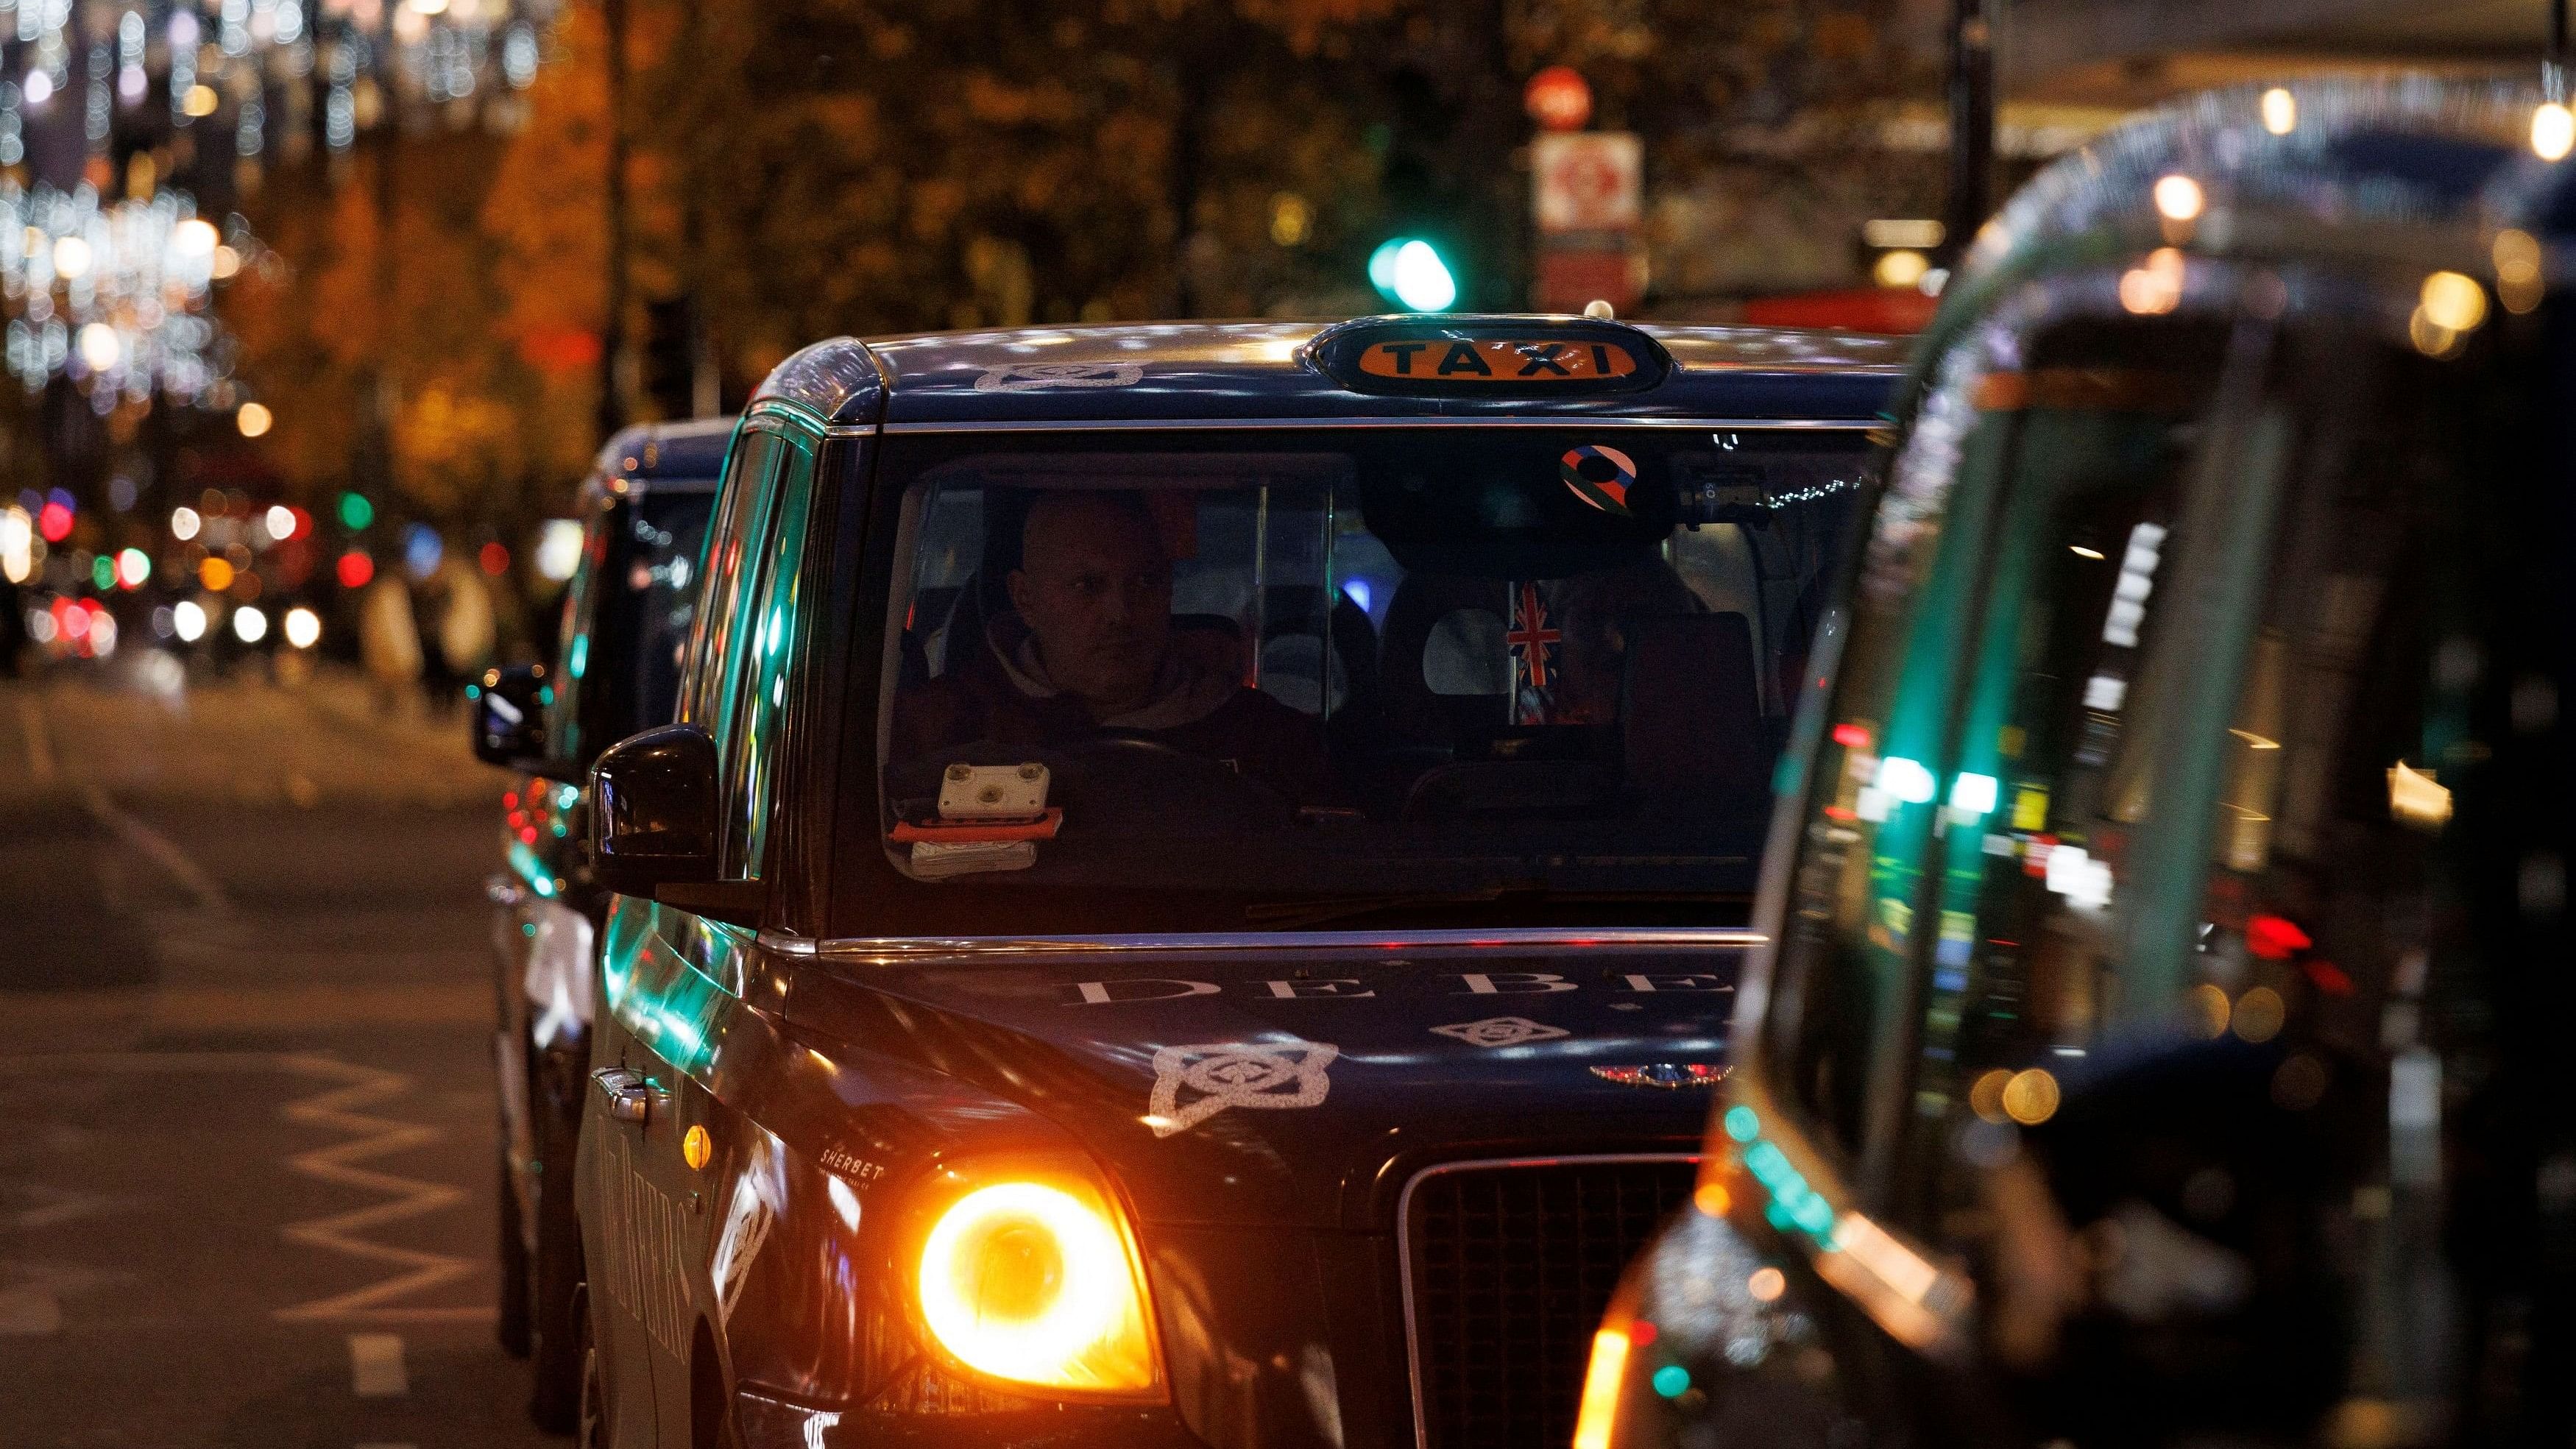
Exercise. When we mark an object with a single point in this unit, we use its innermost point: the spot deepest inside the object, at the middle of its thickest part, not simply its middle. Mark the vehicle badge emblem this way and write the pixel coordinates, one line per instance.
(1255, 1076)
(1045, 376)
(1502, 1031)
(1671, 1076)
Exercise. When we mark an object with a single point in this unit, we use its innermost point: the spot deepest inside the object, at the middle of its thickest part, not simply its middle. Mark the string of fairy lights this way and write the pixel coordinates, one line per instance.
(129, 129)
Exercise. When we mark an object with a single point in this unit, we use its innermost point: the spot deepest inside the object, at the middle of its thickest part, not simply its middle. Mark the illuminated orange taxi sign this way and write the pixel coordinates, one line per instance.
(1499, 359)
(1491, 356)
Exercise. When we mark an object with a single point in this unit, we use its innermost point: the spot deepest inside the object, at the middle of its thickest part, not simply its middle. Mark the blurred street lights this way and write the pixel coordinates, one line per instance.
(111, 294)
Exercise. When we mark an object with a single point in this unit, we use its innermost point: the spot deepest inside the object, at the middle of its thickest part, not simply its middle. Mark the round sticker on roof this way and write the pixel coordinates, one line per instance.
(1599, 476)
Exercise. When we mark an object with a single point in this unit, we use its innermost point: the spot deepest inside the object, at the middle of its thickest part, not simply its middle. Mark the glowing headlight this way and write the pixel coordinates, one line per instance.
(1035, 1284)
(1598, 1414)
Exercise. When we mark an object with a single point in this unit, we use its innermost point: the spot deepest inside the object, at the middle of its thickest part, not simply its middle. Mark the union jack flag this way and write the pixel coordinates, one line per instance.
(1532, 640)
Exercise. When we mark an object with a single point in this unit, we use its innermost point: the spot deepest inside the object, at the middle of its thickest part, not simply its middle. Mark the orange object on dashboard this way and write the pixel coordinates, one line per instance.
(980, 832)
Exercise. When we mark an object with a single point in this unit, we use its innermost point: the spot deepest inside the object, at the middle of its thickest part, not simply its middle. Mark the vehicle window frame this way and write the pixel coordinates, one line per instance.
(626, 633)
(748, 806)
(740, 518)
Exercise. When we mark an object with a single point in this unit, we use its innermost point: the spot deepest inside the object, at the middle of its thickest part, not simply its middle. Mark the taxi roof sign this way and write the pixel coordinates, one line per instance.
(1490, 357)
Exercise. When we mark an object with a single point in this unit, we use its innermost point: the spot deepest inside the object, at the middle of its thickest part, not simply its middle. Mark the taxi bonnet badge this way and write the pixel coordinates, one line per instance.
(1262, 1076)
(1502, 1031)
(1671, 1076)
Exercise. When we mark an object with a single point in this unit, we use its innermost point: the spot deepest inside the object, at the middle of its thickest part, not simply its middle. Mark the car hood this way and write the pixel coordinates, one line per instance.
(1302, 1083)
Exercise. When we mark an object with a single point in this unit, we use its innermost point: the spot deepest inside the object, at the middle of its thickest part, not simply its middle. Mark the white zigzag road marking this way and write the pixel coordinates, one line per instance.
(410, 1197)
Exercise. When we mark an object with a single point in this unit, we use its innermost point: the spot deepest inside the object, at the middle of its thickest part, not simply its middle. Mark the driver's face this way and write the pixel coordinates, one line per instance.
(1096, 590)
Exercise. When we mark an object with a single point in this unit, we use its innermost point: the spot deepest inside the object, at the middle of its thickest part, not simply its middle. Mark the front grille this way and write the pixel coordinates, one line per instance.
(1508, 1267)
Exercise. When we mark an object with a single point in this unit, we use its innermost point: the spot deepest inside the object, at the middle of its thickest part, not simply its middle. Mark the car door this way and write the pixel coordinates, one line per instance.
(633, 1233)
(692, 967)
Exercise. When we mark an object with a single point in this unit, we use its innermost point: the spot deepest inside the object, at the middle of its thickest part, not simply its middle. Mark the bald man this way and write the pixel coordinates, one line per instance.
(1088, 644)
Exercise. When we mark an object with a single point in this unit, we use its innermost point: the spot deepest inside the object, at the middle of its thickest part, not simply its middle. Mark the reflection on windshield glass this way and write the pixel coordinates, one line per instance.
(1450, 661)
(2124, 959)
(670, 532)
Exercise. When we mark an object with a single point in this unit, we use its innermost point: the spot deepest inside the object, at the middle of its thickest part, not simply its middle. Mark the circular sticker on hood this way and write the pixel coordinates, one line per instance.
(1599, 476)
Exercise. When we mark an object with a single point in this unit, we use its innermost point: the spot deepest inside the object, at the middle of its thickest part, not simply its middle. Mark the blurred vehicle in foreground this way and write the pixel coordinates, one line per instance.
(1192, 898)
(2161, 1043)
(627, 614)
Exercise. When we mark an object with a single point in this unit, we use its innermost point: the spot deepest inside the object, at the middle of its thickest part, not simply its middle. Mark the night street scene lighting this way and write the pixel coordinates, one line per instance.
(1285, 724)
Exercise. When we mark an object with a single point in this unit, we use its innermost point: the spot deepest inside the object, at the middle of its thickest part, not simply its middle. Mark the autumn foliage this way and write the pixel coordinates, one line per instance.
(806, 168)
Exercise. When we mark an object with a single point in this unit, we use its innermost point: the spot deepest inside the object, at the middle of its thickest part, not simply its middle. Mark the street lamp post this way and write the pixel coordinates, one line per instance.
(386, 400)
(613, 363)
(1972, 123)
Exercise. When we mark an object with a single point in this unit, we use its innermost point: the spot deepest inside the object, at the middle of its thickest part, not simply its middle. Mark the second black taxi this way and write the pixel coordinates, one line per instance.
(626, 621)
(1194, 895)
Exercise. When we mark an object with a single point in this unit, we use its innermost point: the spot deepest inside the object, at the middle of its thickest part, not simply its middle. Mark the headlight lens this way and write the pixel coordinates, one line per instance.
(1035, 1283)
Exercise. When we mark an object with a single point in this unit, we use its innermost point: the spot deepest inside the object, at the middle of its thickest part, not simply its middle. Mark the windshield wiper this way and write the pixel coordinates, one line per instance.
(1292, 915)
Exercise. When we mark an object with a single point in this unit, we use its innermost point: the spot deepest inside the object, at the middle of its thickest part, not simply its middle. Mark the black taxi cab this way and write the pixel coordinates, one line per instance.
(627, 611)
(2160, 1039)
(1194, 891)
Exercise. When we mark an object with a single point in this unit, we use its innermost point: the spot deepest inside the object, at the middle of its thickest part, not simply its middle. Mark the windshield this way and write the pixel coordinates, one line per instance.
(1452, 662)
(2135, 954)
(631, 600)
(660, 594)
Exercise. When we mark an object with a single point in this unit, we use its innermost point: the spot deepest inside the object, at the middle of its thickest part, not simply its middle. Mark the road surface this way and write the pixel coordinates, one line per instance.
(246, 1147)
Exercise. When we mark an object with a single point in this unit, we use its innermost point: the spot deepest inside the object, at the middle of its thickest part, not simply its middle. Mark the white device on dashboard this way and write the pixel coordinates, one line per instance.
(993, 792)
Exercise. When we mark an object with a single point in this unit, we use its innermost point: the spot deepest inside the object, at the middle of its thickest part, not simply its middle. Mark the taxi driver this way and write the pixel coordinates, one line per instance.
(1089, 644)
(1095, 591)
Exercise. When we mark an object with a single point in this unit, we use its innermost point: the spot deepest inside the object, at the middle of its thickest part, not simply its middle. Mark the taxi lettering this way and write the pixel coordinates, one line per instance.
(1498, 359)
(644, 1250)
(1137, 990)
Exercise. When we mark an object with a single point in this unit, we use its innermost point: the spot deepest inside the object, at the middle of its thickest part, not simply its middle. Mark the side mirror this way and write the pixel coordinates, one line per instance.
(510, 716)
(653, 810)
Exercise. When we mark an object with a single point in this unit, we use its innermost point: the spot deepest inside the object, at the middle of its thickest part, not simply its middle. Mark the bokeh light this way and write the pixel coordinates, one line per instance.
(559, 549)
(423, 550)
(2031, 1097)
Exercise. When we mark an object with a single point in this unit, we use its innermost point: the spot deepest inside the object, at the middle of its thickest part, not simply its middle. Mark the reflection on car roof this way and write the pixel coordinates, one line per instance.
(1250, 371)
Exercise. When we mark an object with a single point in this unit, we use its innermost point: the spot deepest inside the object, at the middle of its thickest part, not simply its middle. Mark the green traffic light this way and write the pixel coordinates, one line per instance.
(1411, 272)
(356, 512)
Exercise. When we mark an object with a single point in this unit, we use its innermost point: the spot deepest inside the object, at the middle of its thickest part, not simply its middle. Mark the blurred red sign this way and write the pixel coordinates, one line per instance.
(1558, 98)
(559, 349)
(1892, 310)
